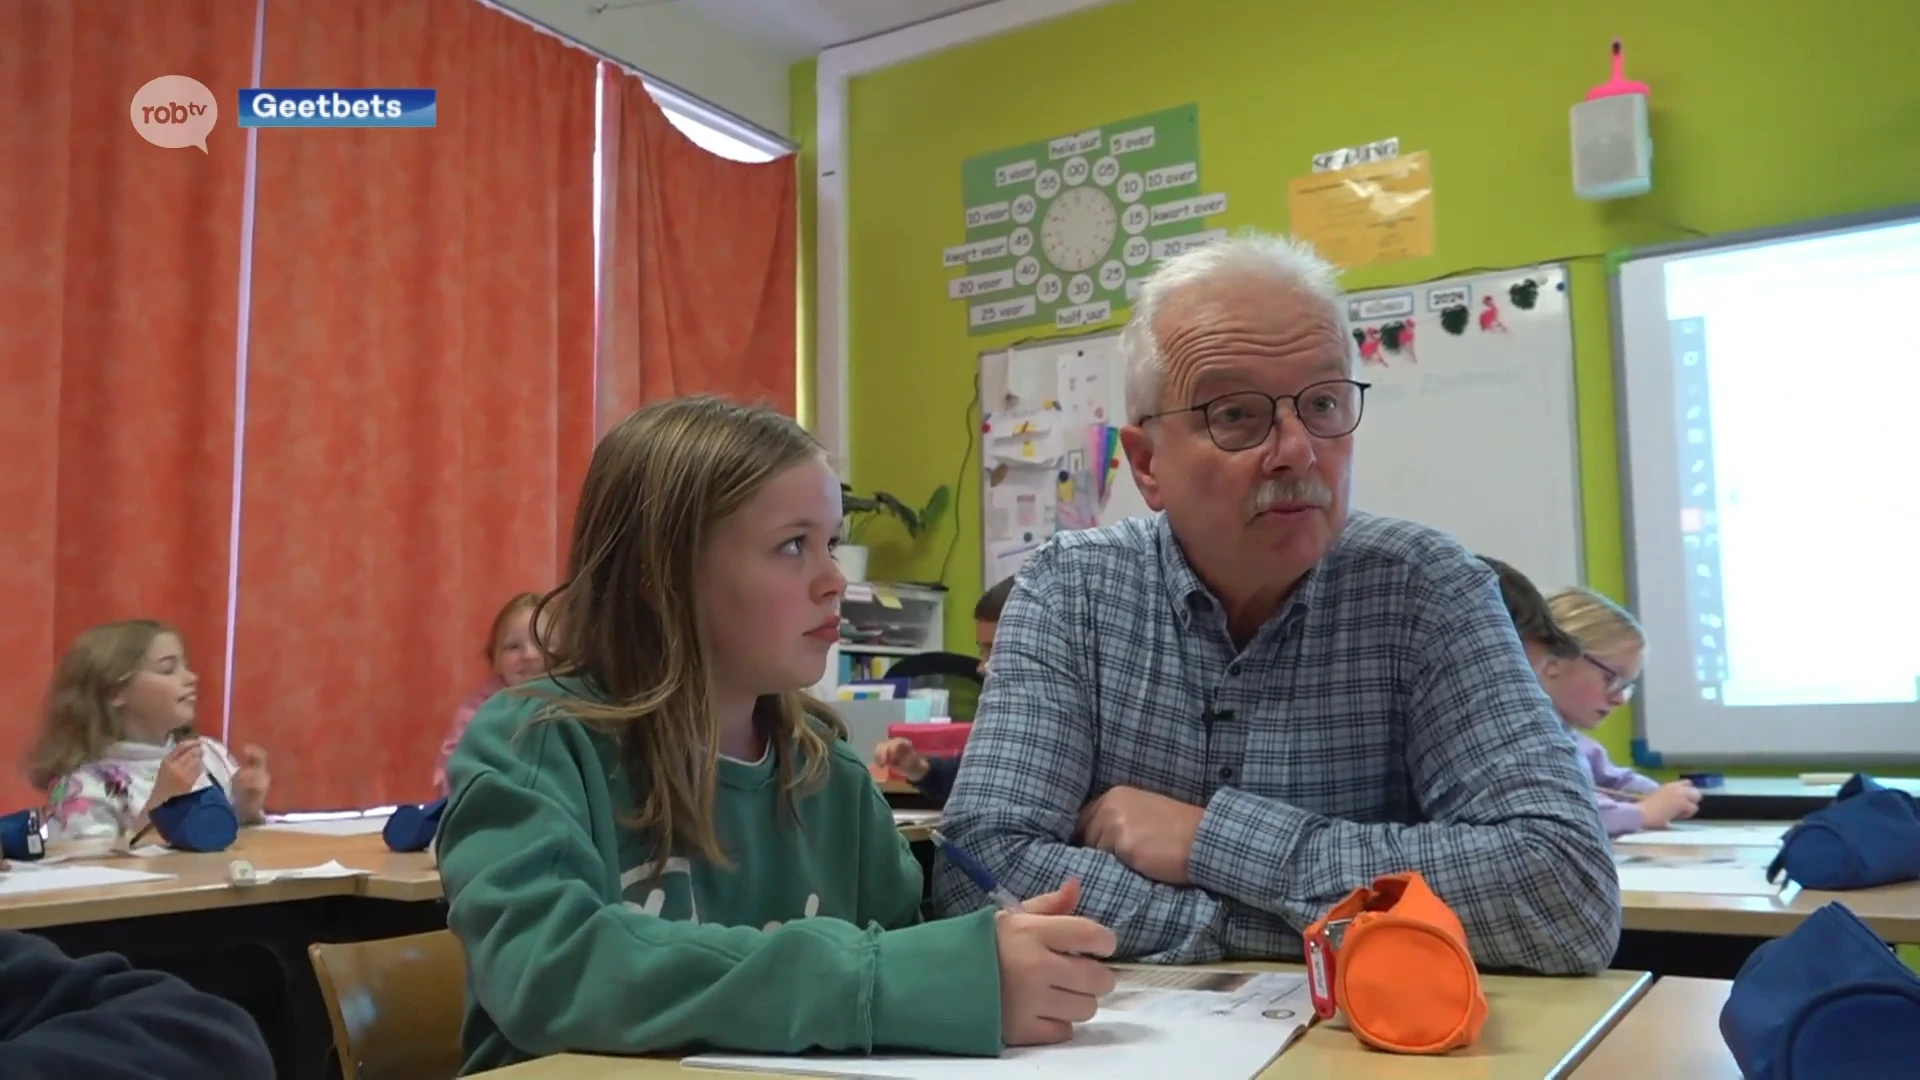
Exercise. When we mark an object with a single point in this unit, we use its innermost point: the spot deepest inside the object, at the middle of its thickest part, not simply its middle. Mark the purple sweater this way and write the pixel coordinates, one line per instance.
(1617, 815)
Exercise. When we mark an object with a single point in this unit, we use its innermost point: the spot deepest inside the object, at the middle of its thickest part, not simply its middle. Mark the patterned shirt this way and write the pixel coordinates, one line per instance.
(1384, 719)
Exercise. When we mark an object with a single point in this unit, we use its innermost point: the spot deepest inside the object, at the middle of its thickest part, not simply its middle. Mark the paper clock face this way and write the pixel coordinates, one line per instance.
(1062, 231)
(1079, 228)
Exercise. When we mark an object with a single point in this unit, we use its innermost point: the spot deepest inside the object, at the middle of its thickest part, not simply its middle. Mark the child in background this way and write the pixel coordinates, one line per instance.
(934, 776)
(514, 655)
(667, 843)
(1587, 652)
(118, 738)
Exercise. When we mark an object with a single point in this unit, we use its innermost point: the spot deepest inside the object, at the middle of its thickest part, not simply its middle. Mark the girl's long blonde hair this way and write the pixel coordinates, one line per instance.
(79, 720)
(1597, 623)
(625, 619)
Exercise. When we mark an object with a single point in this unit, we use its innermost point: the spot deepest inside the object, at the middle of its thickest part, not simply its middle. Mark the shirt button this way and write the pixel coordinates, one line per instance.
(1226, 772)
(1233, 668)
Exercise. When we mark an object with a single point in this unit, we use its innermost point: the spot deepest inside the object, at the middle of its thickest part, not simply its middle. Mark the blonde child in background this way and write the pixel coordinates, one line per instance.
(667, 843)
(1587, 652)
(513, 653)
(118, 737)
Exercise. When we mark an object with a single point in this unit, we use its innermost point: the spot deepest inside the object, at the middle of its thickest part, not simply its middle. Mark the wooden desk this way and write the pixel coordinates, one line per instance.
(1893, 911)
(1675, 1029)
(1535, 1028)
(1779, 798)
(199, 883)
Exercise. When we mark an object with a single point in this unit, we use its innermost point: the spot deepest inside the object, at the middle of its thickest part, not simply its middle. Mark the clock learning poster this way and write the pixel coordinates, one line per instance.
(1061, 231)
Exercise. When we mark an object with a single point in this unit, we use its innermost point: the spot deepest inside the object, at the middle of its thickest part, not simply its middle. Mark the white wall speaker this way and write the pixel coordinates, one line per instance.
(1612, 147)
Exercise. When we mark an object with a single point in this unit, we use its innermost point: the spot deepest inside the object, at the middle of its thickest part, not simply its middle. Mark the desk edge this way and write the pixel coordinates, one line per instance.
(1608, 1021)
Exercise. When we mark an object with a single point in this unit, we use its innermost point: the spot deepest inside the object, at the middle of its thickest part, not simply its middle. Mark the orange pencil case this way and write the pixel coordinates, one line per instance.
(1394, 959)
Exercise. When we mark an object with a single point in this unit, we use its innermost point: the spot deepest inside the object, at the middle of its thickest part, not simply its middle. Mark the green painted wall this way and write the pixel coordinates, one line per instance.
(1769, 116)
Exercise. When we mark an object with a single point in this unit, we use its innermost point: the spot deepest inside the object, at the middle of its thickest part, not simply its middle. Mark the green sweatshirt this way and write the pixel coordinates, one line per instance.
(810, 939)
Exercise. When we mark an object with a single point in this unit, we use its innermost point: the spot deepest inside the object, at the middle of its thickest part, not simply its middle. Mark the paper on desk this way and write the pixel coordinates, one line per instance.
(916, 817)
(1708, 835)
(329, 869)
(1117, 1044)
(353, 826)
(24, 878)
(1211, 993)
(1719, 879)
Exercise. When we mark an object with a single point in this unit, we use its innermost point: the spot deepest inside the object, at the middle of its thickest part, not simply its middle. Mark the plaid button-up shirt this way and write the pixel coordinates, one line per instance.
(1384, 720)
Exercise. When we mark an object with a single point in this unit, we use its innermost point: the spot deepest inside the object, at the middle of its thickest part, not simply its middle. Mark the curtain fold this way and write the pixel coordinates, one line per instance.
(119, 277)
(420, 385)
(700, 276)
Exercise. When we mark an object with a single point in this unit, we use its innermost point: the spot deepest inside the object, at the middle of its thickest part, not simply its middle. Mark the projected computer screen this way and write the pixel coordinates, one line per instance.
(1770, 398)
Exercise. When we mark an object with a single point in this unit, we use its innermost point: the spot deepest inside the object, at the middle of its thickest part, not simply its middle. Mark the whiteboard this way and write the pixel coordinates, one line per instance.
(1716, 343)
(1470, 421)
(1471, 431)
(1050, 458)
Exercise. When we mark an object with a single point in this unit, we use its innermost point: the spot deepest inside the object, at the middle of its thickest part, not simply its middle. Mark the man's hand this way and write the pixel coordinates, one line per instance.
(1150, 833)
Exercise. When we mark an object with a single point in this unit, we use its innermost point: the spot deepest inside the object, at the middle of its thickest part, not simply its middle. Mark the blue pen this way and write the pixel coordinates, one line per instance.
(980, 875)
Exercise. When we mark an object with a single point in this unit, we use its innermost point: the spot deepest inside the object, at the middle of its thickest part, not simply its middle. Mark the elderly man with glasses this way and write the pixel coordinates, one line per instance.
(1223, 718)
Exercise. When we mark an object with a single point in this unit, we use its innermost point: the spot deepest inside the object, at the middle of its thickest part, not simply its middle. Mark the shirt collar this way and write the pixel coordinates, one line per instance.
(1192, 598)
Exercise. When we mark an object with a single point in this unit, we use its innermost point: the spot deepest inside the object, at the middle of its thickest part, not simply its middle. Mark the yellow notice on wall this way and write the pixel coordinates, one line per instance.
(1374, 213)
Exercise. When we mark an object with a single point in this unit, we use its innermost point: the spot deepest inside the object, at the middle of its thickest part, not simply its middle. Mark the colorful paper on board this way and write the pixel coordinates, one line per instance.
(1374, 213)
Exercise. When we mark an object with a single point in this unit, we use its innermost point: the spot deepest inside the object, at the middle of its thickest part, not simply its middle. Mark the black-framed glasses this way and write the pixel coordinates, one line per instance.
(1618, 683)
(1242, 420)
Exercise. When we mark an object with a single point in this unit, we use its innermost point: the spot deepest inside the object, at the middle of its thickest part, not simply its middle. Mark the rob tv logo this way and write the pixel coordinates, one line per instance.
(174, 112)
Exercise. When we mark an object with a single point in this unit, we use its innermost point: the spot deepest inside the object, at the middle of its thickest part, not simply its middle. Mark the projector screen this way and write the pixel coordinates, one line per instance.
(1768, 387)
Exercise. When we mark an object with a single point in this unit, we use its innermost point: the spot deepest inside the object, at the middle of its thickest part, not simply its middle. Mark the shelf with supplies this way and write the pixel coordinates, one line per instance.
(852, 649)
(880, 623)
(882, 619)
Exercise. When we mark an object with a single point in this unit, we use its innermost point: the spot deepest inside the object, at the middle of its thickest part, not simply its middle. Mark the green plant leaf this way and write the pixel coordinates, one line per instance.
(900, 510)
(935, 509)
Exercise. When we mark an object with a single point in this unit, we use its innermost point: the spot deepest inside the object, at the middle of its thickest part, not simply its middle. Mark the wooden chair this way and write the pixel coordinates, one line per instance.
(395, 1005)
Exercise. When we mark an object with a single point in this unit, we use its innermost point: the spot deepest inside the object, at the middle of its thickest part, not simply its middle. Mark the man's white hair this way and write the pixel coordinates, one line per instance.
(1290, 264)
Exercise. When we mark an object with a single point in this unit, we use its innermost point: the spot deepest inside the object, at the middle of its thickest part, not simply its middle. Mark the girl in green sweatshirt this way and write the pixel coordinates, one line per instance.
(665, 845)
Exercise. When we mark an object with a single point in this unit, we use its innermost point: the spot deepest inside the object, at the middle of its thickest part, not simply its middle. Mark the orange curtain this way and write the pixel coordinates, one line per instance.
(119, 273)
(699, 286)
(419, 405)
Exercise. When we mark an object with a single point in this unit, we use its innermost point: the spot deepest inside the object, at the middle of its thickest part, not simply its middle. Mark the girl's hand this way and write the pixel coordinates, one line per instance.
(900, 756)
(1670, 803)
(1051, 977)
(251, 782)
(180, 772)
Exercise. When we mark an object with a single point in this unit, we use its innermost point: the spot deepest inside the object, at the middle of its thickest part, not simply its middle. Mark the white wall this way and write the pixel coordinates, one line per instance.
(679, 46)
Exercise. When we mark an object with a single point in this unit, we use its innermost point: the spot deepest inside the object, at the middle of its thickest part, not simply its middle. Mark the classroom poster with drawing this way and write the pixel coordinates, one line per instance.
(1050, 446)
(1060, 232)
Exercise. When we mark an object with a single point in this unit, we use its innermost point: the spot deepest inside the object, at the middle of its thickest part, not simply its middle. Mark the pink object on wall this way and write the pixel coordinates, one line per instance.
(1619, 83)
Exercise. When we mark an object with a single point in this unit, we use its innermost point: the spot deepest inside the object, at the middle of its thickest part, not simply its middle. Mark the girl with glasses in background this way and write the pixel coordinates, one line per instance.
(1587, 652)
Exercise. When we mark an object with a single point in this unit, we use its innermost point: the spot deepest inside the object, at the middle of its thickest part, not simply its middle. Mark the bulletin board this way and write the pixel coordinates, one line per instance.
(1469, 425)
(1050, 414)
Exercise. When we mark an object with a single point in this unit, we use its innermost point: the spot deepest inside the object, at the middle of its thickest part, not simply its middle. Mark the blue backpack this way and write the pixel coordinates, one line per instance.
(1830, 1000)
(200, 820)
(1869, 835)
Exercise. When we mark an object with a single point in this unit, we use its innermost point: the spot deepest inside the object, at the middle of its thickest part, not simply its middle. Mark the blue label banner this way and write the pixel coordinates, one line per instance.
(263, 107)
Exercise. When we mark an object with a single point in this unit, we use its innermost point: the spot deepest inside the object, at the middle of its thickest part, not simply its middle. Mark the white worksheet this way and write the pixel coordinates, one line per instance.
(23, 878)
